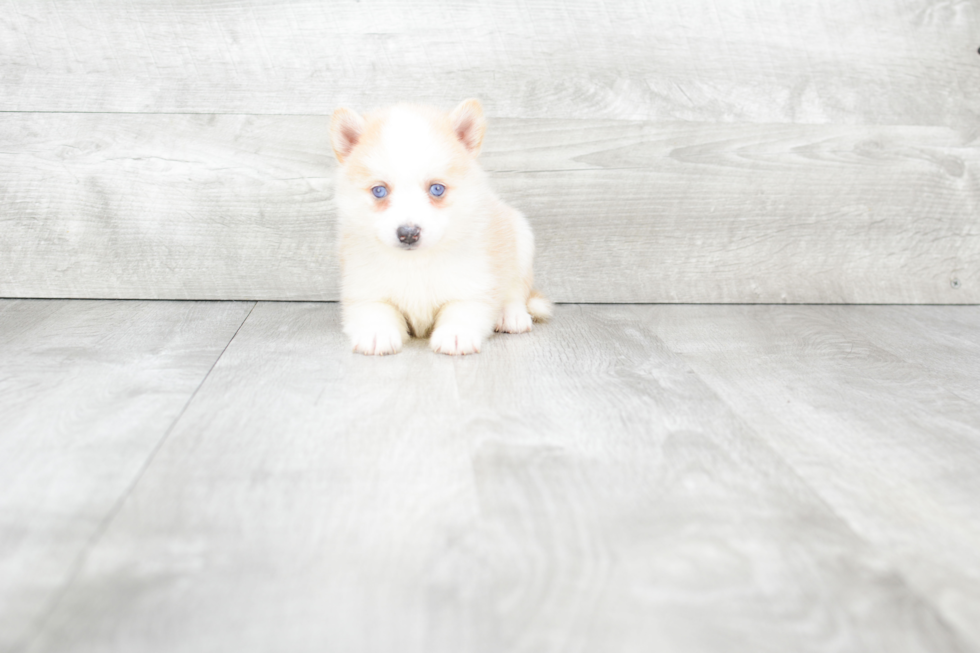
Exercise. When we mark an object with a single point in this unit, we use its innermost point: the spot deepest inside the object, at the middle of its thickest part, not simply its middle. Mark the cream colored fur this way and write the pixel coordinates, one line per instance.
(470, 272)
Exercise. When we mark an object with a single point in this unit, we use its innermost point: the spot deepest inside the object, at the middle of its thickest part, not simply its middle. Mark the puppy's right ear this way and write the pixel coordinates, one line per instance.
(346, 128)
(469, 124)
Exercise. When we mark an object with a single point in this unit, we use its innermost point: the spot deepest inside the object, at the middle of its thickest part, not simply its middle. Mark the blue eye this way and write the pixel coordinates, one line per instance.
(437, 190)
(379, 191)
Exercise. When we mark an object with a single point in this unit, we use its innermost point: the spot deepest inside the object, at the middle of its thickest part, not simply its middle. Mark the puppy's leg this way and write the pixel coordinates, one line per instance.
(375, 328)
(514, 318)
(461, 327)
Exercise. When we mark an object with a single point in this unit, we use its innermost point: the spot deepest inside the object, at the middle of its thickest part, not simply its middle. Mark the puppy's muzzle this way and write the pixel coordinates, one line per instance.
(409, 234)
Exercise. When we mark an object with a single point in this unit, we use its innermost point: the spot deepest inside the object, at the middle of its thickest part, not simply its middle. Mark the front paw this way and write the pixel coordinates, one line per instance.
(455, 342)
(514, 319)
(377, 341)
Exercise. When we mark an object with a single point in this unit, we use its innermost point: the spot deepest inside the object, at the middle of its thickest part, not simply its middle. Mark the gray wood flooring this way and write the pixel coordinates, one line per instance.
(208, 476)
(87, 392)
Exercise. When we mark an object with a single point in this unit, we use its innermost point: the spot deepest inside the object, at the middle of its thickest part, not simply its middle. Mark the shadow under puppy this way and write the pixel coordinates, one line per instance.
(426, 247)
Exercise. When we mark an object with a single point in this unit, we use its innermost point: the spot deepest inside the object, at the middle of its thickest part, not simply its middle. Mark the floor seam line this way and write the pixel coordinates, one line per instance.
(110, 516)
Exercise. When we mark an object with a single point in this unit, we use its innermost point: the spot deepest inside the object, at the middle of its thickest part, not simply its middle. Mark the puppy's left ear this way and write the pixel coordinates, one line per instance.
(346, 128)
(469, 125)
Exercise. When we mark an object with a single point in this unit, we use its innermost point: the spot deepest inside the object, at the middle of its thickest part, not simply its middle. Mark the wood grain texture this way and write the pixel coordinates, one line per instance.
(877, 409)
(166, 207)
(87, 390)
(579, 488)
(887, 62)
(239, 207)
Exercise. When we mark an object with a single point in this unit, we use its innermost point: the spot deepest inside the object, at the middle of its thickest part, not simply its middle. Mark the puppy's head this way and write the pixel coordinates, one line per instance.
(407, 171)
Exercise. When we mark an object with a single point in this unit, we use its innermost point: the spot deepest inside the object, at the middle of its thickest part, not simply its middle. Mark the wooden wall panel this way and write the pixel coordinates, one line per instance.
(745, 150)
(834, 61)
(239, 207)
(159, 206)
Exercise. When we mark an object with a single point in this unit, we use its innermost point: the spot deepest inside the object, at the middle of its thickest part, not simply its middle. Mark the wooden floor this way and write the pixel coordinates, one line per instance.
(227, 476)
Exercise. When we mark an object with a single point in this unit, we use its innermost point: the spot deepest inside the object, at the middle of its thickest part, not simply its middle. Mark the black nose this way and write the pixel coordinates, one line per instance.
(409, 233)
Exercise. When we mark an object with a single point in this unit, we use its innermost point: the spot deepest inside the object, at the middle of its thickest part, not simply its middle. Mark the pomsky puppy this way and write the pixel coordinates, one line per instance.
(426, 247)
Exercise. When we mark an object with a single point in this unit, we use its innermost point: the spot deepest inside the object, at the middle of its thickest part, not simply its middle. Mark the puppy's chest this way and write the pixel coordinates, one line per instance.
(420, 288)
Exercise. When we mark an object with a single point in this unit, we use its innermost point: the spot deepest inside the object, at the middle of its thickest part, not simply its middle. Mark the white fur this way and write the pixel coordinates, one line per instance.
(514, 318)
(454, 282)
(409, 157)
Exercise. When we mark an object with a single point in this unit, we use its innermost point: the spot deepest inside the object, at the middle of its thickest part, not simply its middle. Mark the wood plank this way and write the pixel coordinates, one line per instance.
(166, 207)
(877, 409)
(574, 489)
(87, 391)
(239, 207)
(887, 62)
